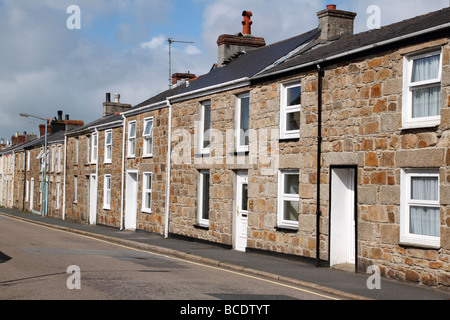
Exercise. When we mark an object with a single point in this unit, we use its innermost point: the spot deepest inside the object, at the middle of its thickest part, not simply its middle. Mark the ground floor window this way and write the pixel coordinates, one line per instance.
(288, 199)
(147, 192)
(203, 199)
(107, 192)
(420, 209)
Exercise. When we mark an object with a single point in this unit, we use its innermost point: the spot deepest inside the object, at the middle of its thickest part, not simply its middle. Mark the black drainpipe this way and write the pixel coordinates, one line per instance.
(320, 74)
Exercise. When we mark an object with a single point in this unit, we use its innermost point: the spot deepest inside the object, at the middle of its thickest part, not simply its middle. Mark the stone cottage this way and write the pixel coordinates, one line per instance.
(329, 147)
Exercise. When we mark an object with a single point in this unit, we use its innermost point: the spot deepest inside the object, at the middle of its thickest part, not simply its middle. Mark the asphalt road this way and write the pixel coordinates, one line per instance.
(35, 260)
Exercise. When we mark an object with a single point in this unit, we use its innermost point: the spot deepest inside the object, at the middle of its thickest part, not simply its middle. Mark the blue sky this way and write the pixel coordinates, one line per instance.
(122, 46)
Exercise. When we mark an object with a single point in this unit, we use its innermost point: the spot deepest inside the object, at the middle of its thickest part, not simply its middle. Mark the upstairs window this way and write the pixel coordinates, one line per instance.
(422, 90)
(60, 159)
(242, 122)
(53, 161)
(108, 146)
(76, 151)
(88, 149)
(205, 126)
(148, 137)
(132, 139)
(28, 160)
(290, 111)
(94, 141)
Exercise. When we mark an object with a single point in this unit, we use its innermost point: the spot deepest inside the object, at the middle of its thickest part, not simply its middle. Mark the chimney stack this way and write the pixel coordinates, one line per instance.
(110, 108)
(335, 23)
(232, 45)
(176, 77)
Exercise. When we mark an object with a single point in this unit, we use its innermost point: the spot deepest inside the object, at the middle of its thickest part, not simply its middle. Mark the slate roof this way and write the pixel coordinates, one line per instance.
(160, 97)
(52, 138)
(368, 38)
(252, 62)
(87, 127)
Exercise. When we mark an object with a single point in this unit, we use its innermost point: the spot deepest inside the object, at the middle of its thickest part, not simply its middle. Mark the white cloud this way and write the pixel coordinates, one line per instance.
(192, 50)
(155, 42)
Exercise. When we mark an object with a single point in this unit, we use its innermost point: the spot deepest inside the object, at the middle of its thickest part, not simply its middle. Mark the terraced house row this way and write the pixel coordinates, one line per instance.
(330, 147)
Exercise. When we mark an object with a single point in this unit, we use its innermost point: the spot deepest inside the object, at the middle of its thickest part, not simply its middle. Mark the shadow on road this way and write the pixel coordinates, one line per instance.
(4, 257)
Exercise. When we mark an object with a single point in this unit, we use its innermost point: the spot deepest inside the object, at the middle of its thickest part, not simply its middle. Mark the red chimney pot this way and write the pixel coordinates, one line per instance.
(247, 23)
(331, 7)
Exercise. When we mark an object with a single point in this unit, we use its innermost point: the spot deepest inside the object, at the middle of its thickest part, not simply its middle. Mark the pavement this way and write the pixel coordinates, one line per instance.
(344, 284)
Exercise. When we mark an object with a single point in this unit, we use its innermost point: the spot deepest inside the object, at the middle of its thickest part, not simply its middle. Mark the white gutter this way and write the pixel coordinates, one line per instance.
(123, 170)
(354, 51)
(242, 82)
(161, 103)
(64, 186)
(168, 173)
(105, 125)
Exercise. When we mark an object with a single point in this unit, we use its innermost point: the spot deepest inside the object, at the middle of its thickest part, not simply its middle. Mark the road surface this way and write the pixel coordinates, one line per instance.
(41, 263)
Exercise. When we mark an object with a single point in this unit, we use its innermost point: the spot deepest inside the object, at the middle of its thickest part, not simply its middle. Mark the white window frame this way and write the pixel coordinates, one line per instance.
(76, 150)
(108, 146)
(53, 160)
(28, 160)
(107, 192)
(131, 152)
(75, 189)
(408, 121)
(88, 149)
(94, 148)
(27, 191)
(284, 110)
(407, 238)
(239, 131)
(145, 191)
(41, 159)
(202, 148)
(41, 192)
(58, 195)
(200, 214)
(147, 137)
(60, 159)
(283, 223)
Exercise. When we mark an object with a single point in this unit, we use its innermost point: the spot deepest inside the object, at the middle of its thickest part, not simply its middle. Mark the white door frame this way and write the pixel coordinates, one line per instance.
(93, 183)
(131, 198)
(240, 215)
(31, 193)
(342, 243)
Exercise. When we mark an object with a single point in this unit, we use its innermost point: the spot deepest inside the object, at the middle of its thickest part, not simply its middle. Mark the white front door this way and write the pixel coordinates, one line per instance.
(131, 200)
(342, 242)
(93, 200)
(241, 212)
